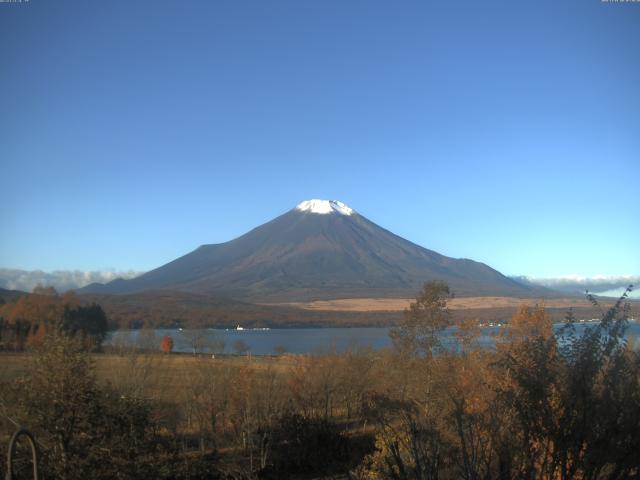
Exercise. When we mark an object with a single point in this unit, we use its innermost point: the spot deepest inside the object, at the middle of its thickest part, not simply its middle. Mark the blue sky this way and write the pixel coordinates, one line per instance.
(507, 132)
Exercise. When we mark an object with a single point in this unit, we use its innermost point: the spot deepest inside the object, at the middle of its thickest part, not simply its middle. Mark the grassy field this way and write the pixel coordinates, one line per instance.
(163, 377)
(399, 304)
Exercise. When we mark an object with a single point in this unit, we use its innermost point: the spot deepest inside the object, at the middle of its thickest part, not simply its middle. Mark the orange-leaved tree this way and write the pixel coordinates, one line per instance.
(166, 344)
(425, 318)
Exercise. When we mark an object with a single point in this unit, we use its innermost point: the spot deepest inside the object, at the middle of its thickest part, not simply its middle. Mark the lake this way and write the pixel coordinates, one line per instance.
(293, 340)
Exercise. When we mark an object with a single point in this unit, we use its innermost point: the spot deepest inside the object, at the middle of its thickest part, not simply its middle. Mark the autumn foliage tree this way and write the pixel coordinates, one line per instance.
(166, 344)
(26, 321)
(544, 404)
(573, 398)
(424, 320)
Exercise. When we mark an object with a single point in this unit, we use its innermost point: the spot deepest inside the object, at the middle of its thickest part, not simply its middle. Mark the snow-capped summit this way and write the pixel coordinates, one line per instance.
(324, 206)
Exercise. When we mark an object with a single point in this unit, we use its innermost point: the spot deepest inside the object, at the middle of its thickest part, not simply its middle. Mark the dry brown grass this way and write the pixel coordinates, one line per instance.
(163, 377)
(399, 304)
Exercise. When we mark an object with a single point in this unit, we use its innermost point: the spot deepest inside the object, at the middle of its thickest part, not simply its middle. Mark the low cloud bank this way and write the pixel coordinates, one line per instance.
(61, 280)
(609, 286)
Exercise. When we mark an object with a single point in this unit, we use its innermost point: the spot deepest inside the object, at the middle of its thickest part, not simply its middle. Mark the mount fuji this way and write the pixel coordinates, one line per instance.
(321, 249)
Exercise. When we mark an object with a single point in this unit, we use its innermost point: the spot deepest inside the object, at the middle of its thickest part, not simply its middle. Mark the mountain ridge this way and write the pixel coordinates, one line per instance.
(318, 250)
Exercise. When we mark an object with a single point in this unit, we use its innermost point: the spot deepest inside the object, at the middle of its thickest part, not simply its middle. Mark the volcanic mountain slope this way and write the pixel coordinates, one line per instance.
(318, 250)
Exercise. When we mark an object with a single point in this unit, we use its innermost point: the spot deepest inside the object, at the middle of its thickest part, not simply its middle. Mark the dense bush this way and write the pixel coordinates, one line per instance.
(302, 445)
(89, 431)
(543, 406)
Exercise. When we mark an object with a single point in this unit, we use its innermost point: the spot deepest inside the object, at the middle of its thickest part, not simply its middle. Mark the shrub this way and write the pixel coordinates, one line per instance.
(166, 344)
(302, 446)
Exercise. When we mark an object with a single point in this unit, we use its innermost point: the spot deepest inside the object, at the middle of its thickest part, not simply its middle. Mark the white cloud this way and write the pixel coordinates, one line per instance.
(605, 285)
(61, 280)
(581, 280)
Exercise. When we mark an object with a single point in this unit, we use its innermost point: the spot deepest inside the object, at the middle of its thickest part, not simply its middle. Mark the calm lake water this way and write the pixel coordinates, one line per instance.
(293, 340)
